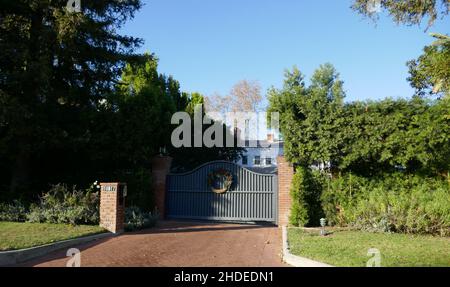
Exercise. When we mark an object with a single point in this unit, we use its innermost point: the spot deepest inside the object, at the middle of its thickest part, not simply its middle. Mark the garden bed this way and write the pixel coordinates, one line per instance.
(349, 248)
(17, 235)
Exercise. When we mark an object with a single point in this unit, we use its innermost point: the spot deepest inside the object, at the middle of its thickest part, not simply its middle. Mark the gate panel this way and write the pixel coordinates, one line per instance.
(252, 196)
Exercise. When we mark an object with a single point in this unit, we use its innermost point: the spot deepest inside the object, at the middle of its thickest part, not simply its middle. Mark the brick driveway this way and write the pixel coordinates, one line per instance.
(181, 244)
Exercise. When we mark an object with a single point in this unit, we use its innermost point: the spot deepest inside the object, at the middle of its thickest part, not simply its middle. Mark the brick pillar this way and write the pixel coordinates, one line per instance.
(160, 170)
(112, 206)
(285, 176)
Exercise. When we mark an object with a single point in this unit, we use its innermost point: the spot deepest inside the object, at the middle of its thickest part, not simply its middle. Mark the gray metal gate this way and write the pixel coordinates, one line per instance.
(252, 196)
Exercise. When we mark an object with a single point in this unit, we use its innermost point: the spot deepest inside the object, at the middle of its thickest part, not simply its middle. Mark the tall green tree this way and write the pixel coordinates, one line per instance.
(310, 116)
(56, 67)
(132, 125)
(143, 106)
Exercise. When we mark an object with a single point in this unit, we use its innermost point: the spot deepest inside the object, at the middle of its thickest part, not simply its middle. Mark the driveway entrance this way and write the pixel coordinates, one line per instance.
(182, 244)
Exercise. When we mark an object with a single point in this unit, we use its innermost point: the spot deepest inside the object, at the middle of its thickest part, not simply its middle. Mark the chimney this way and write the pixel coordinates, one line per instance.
(270, 138)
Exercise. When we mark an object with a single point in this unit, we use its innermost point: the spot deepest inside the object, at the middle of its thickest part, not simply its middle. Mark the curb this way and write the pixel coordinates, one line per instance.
(13, 257)
(295, 260)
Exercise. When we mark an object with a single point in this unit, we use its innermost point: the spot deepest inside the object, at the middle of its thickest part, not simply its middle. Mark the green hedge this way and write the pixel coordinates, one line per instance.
(393, 203)
(305, 193)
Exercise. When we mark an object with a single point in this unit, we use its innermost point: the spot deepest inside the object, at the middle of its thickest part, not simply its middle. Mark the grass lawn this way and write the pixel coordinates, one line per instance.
(15, 235)
(349, 248)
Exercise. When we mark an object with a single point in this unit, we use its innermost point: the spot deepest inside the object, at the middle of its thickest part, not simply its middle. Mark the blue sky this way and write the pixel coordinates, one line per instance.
(209, 45)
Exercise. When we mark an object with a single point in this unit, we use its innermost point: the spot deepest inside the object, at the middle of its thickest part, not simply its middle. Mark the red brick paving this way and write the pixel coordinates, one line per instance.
(181, 244)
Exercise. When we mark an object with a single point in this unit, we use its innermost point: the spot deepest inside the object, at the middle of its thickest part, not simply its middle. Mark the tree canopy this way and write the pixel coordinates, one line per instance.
(362, 137)
(408, 12)
(309, 116)
(78, 104)
(430, 73)
(56, 67)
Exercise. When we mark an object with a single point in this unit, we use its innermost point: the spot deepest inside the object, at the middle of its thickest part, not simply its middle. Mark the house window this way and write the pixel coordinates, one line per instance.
(268, 161)
(257, 160)
(244, 160)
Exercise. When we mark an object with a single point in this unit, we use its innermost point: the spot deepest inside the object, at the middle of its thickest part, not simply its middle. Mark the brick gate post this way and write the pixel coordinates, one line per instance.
(112, 206)
(160, 170)
(285, 176)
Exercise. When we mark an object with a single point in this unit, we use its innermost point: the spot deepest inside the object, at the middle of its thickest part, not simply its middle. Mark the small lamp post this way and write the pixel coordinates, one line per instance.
(323, 221)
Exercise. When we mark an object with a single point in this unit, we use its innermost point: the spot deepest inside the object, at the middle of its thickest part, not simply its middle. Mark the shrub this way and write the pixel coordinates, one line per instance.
(305, 194)
(60, 205)
(339, 195)
(139, 182)
(14, 211)
(136, 219)
(393, 203)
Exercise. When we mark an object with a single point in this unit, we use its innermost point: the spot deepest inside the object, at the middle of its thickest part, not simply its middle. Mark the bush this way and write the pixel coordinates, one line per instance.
(393, 203)
(136, 219)
(139, 182)
(305, 193)
(339, 194)
(60, 205)
(14, 211)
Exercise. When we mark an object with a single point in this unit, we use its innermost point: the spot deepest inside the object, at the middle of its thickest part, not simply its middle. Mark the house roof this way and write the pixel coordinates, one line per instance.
(263, 144)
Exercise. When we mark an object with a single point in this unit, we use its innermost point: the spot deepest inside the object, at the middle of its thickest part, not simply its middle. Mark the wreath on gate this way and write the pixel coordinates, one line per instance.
(220, 180)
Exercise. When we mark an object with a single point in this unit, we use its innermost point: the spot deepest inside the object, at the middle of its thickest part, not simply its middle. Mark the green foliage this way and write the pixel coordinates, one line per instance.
(299, 207)
(56, 70)
(188, 158)
(368, 143)
(405, 11)
(390, 134)
(365, 138)
(192, 100)
(310, 117)
(135, 122)
(430, 73)
(393, 203)
(15, 212)
(139, 187)
(136, 219)
(61, 205)
(305, 193)
(78, 104)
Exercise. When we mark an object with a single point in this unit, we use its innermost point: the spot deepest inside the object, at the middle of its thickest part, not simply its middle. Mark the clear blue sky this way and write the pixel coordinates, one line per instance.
(208, 45)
